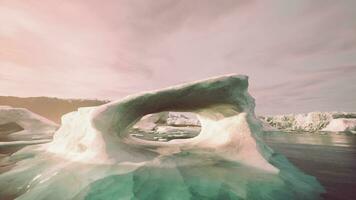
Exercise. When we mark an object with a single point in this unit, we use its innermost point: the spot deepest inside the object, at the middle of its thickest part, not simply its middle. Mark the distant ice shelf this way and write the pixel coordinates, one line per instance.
(314, 121)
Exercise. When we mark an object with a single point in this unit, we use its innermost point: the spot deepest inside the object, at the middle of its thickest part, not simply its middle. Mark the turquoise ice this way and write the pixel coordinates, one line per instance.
(92, 155)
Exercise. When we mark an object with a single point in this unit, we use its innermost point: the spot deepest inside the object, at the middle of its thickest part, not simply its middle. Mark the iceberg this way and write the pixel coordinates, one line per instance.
(341, 125)
(94, 156)
(19, 126)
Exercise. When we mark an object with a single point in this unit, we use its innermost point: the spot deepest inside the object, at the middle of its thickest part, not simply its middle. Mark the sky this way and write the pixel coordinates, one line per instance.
(300, 55)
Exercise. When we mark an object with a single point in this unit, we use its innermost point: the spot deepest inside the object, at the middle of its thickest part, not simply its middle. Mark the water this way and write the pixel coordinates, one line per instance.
(330, 157)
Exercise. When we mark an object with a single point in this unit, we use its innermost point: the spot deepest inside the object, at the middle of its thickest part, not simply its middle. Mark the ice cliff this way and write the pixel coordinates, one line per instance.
(94, 156)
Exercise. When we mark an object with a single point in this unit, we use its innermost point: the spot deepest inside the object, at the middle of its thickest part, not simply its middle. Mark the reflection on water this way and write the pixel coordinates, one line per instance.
(330, 157)
(321, 138)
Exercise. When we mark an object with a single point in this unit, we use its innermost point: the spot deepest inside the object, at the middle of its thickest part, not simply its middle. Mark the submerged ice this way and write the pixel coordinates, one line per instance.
(93, 155)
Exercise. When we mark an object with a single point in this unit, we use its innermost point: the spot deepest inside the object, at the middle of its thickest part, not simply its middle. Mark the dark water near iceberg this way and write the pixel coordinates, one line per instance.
(330, 157)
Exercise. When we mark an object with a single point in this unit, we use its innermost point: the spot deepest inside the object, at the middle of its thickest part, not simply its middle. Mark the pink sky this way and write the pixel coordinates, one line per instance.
(300, 55)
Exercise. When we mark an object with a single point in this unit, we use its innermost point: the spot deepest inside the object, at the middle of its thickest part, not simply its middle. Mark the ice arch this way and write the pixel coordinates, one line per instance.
(93, 156)
(165, 126)
(191, 97)
(224, 108)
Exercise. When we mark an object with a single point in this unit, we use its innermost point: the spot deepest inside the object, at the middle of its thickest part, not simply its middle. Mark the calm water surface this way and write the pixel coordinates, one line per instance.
(330, 157)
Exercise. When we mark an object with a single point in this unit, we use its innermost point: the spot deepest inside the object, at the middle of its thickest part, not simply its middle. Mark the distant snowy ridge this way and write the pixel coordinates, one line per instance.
(313, 121)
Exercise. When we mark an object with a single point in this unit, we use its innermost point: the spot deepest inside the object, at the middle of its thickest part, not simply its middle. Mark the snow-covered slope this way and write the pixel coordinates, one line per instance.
(313, 121)
(93, 155)
(19, 124)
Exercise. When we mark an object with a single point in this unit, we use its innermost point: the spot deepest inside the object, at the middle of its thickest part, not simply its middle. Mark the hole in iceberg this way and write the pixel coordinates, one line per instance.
(166, 126)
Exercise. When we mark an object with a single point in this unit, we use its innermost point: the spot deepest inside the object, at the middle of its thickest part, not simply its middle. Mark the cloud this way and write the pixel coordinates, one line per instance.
(299, 56)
